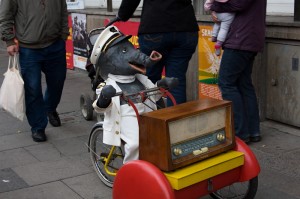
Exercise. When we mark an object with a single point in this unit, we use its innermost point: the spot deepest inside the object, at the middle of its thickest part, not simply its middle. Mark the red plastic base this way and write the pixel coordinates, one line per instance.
(140, 179)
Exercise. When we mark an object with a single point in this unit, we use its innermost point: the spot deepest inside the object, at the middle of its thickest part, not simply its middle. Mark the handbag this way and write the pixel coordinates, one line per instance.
(12, 98)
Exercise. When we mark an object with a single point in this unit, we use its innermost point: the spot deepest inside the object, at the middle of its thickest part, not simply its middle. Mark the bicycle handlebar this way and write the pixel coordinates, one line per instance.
(143, 95)
(114, 20)
(142, 92)
(94, 33)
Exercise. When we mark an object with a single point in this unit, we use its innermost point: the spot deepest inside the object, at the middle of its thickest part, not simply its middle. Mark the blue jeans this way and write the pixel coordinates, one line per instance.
(177, 49)
(235, 83)
(52, 62)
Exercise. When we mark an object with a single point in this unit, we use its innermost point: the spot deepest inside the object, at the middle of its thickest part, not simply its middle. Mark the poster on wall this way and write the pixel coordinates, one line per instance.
(75, 4)
(209, 64)
(69, 46)
(79, 35)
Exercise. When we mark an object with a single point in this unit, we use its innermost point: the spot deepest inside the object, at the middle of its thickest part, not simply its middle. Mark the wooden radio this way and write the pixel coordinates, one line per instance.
(180, 135)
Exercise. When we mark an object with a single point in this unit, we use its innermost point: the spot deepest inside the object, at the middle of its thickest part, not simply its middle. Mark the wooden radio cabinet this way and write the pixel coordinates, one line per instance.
(180, 135)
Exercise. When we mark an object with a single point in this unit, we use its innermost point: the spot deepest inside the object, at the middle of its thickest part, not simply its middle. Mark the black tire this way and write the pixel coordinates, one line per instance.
(239, 190)
(86, 106)
(99, 152)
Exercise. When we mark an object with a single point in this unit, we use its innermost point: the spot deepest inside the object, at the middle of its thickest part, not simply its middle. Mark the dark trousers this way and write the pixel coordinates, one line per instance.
(52, 62)
(235, 83)
(177, 49)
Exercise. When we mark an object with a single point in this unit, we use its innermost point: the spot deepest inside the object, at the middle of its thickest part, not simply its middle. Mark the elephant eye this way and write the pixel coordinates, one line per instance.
(124, 50)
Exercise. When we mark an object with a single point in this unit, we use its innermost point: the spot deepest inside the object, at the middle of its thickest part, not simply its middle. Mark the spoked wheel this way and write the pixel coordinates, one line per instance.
(86, 106)
(239, 190)
(101, 153)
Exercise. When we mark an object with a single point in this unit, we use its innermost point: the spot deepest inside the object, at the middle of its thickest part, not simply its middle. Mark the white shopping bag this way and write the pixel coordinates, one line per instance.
(12, 93)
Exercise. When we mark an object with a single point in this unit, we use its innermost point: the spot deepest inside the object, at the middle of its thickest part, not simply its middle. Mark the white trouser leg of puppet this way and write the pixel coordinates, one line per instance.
(130, 135)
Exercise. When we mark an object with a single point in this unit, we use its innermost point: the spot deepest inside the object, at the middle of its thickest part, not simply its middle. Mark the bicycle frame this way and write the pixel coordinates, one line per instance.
(106, 160)
(142, 95)
(145, 95)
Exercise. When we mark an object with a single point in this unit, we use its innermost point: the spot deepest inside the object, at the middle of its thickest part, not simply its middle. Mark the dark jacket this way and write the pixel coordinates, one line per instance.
(160, 16)
(36, 24)
(247, 31)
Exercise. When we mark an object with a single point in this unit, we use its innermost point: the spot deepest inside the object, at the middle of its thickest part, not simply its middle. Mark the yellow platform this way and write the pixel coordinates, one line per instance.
(205, 169)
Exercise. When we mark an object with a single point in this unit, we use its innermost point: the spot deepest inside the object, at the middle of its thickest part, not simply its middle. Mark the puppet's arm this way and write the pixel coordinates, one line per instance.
(108, 91)
(103, 101)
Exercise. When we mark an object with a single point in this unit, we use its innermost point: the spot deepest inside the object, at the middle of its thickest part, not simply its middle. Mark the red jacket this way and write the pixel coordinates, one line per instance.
(247, 31)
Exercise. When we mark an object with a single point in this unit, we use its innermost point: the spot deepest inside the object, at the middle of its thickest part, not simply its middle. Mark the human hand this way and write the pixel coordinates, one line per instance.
(13, 49)
(168, 82)
(114, 20)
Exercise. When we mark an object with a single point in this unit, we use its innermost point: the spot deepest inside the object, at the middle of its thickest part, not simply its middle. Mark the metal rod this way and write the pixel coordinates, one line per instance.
(143, 91)
(109, 6)
(297, 10)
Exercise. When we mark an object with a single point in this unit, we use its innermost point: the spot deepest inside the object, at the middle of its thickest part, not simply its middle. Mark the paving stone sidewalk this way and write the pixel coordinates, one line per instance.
(61, 169)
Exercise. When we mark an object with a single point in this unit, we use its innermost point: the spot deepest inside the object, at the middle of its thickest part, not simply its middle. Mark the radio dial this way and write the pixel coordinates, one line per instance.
(220, 137)
(177, 151)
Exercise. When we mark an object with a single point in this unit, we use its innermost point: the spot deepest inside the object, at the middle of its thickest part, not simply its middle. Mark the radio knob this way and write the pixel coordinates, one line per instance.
(220, 137)
(177, 151)
(197, 152)
(204, 149)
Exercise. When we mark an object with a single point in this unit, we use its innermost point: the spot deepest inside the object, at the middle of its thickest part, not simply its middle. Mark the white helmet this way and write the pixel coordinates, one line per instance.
(107, 36)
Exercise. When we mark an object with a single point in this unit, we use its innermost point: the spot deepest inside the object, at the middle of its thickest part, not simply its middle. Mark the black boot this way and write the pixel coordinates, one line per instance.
(39, 136)
(54, 119)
